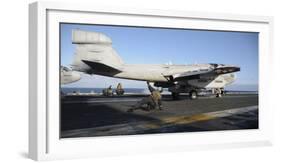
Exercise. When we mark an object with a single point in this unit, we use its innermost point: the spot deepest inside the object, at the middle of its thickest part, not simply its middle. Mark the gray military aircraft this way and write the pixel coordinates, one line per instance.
(95, 55)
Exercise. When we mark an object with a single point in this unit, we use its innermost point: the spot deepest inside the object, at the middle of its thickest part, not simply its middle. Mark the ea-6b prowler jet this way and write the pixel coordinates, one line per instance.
(94, 55)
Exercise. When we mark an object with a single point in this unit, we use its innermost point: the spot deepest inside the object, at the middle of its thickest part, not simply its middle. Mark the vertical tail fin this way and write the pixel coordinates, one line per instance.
(94, 47)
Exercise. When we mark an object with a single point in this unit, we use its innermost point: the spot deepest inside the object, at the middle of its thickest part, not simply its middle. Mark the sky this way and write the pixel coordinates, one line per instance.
(139, 45)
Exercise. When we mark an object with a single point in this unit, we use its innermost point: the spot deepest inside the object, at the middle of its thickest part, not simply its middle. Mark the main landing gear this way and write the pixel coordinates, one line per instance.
(218, 92)
(175, 95)
(193, 94)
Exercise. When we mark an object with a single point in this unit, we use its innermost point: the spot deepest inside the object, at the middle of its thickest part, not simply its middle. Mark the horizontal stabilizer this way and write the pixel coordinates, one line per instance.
(101, 68)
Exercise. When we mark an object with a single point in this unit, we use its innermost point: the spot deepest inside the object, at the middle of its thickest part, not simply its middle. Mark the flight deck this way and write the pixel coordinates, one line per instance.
(89, 116)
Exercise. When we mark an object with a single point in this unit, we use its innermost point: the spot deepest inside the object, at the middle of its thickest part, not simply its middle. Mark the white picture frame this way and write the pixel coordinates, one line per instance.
(44, 141)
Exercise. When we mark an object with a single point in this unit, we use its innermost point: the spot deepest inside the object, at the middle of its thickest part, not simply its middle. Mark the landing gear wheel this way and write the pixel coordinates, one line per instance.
(219, 95)
(130, 110)
(193, 95)
(175, 95)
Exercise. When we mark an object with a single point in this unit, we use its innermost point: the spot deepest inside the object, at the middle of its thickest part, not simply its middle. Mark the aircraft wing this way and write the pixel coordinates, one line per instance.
(195, 74)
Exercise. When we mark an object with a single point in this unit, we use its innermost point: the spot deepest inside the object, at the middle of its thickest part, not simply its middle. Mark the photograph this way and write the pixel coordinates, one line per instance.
(133, 80)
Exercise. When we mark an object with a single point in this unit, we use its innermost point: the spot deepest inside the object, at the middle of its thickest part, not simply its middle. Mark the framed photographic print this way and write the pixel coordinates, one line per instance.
(109, 81)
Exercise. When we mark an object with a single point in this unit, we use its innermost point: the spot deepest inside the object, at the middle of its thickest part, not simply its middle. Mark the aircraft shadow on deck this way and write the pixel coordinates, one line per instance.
(80, 116)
